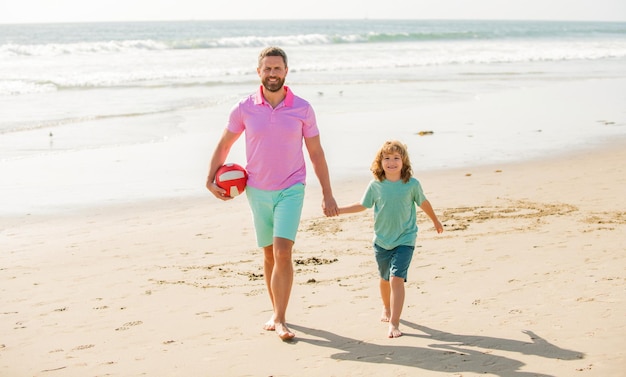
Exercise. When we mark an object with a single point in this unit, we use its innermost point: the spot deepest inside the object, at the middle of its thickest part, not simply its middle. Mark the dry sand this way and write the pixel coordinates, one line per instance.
(528, 279)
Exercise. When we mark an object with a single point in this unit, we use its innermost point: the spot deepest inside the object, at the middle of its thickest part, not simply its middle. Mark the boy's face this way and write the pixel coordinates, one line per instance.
(272, 73)
(392, 165)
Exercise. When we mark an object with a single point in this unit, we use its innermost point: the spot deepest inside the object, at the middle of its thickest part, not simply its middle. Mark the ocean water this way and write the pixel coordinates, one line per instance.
(108, 93)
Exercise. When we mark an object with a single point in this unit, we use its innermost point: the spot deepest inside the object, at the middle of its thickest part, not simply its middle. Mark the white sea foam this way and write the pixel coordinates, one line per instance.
(17, 87)
(56, 49)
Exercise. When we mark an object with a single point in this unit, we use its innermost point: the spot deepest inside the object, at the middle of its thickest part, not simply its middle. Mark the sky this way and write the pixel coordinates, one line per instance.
(36, 11)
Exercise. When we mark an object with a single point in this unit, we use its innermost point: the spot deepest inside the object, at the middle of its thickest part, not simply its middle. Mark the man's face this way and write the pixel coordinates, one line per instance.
(272, 73)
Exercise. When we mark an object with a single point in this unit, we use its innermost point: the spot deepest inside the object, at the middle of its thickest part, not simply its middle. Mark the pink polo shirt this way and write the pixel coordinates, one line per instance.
(274, 138)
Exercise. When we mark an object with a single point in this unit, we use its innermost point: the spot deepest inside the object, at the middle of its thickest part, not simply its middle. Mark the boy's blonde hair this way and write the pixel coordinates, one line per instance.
(390, 147)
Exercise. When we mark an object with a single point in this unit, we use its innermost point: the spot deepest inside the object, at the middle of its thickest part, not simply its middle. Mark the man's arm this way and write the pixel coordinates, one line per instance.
(318, 160)
(219, 156)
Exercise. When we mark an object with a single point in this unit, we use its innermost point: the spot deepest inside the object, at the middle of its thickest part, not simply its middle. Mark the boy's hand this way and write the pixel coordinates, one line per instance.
(438, 226)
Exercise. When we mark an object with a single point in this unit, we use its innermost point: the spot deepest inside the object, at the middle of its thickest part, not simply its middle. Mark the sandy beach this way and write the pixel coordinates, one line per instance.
(116, 261)
(526, 280)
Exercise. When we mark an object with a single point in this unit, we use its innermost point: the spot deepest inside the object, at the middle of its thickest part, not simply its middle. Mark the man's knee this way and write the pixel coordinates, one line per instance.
(282, 250)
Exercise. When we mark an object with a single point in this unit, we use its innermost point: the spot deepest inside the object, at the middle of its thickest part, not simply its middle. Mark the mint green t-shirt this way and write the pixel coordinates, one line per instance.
(395, 219)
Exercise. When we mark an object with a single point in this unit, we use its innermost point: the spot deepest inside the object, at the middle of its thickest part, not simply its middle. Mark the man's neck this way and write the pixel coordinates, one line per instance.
(274, 98)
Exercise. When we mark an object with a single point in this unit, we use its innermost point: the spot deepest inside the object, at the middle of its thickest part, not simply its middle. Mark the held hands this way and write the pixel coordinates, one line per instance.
(217, 191)
(329, 206)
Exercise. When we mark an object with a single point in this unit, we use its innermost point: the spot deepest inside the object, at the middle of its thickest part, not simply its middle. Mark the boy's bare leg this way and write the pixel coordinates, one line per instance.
(385, 295)
(397, 302)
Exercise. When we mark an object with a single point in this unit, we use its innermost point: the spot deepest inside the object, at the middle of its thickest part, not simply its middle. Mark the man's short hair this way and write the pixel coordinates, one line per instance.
(272, 51)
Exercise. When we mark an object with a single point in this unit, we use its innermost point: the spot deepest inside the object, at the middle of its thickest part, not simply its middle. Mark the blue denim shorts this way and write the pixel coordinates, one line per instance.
(394, 262)
(276, 213)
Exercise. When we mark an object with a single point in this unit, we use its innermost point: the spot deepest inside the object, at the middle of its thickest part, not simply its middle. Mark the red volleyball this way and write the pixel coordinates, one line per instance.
(232, 178)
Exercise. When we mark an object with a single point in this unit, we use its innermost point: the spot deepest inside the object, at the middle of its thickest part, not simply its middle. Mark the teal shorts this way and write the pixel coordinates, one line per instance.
(394, 262)
(276, 213)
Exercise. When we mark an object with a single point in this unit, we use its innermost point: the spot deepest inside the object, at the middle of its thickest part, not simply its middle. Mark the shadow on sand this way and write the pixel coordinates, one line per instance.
(449, 355)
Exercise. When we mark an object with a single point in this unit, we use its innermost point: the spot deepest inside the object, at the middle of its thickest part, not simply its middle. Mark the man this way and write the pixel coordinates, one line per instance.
(276, 123)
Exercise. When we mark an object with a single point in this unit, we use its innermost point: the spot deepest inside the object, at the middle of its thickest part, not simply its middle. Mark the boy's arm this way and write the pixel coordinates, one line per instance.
(353, 208)
(428, 210)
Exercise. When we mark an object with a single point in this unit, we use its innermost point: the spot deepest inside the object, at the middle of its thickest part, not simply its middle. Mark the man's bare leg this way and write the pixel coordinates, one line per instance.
(268, 268)
(278, 269)
(281, 283)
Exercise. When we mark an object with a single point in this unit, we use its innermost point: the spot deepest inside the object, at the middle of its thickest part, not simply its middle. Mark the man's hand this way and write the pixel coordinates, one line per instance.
(217, 191)
(329, 206)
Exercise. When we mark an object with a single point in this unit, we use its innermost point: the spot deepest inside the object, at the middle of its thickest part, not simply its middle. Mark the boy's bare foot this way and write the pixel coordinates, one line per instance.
(269, 325)
(283, 332)
(385, 315)
(394, 331)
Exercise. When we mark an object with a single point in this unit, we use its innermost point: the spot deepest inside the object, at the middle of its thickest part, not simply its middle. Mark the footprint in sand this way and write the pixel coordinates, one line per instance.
(225, 309)
(316, 261)
(83, 347)
(128, 325)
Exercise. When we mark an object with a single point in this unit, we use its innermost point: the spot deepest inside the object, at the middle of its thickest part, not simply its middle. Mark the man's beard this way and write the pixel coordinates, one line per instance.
(274, 86)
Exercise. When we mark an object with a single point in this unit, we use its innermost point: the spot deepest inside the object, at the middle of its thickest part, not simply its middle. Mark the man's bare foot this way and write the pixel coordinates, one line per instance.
(385, 315)
(283, 332)
(269, 325)
(394, 331)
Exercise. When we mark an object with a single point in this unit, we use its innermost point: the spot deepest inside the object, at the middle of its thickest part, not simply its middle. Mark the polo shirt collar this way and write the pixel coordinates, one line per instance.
(288, 101)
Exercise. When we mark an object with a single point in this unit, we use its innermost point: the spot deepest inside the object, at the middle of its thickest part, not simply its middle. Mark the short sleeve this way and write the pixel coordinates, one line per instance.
(367, 200)
(418, 193)
(235, 120)
(309, 126)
